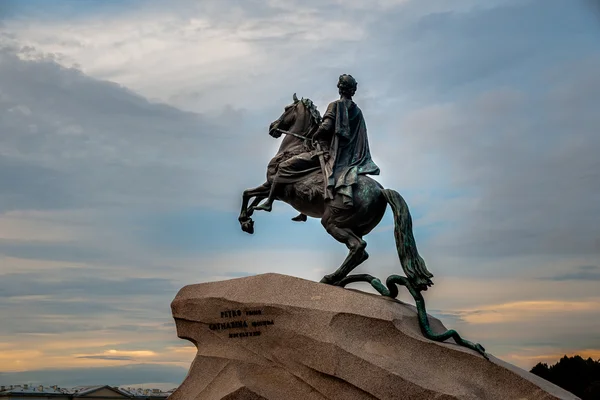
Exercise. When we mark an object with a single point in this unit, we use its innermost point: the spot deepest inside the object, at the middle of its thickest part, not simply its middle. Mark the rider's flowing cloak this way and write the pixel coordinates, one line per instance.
(349, 149)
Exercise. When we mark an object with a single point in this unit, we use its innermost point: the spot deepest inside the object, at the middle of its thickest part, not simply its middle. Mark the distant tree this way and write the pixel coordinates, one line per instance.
(542, 370)
(578, 376)
(592, 391)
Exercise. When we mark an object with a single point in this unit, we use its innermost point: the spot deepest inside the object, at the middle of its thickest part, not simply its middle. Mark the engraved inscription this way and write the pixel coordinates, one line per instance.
(228, 325)
(240, 323)
(243, 334)
(262, 323)
(231, 313)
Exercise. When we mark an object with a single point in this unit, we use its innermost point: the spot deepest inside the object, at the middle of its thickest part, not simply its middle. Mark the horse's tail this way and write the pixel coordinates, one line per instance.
(412, 263)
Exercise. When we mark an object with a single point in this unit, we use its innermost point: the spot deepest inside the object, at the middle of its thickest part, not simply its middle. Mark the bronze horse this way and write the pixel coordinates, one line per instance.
(346, 225)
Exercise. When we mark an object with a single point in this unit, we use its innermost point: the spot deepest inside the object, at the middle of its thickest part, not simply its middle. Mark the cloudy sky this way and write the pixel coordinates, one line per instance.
(128, 130)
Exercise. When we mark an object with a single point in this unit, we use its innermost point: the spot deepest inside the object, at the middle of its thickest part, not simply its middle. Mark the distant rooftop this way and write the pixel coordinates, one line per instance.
(80, 391)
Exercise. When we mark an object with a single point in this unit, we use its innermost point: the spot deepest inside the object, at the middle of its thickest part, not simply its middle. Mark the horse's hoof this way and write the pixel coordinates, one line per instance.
(328, 280)
(364, 257)
(248, 226)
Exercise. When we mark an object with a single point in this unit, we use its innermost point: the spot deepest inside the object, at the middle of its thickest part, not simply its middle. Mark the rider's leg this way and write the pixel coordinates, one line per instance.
(289, 167)
(268, 204)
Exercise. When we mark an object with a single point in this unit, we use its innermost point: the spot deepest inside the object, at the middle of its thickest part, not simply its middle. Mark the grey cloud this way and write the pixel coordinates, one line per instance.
(545, 333)
(446, 52)
(110, 358)
(526, 163)
(594, 7)
(448, 318)
(585, 273)
(26, 186)
(237, 274)
(39, 326)
(73, 141)
(95, 248)
(22, 313)
(55, 316)
(170, 326)
(113, 376)
(52, 317)
(26, 285)
(66, 252)
(84, 302)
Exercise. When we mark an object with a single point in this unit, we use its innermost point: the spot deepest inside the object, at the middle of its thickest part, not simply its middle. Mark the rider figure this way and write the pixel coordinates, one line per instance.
(350, 156)
(343, 126)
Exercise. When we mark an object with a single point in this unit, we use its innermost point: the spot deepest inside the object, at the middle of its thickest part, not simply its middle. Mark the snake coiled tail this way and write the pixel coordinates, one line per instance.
(390, 289)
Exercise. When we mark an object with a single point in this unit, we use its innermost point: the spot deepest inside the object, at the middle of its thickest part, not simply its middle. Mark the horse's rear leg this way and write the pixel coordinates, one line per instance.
(356, 246)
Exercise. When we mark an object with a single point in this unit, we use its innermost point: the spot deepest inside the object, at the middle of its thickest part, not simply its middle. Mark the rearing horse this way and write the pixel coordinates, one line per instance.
(346, 225)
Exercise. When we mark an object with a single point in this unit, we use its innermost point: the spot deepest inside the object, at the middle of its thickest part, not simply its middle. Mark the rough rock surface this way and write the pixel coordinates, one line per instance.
(278, 337)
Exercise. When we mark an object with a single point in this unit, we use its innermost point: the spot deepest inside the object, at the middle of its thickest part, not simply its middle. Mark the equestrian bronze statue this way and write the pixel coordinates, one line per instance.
(323, 169)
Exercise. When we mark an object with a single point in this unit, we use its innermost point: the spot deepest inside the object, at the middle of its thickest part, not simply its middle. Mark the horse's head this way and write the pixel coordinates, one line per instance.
(299, 116)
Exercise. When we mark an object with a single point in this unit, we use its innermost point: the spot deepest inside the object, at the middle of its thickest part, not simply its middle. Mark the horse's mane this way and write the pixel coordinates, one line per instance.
(314, 113)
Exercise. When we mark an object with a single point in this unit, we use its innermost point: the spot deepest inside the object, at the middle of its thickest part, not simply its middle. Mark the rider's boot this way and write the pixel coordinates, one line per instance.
(300, 218)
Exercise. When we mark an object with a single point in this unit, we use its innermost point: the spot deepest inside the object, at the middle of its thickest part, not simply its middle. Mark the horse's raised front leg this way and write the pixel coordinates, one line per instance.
(250, 193)
(259, 193)
(356, 246)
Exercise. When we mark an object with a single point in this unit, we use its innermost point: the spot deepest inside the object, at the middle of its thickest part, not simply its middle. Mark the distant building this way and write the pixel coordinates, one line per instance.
(20, 392)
